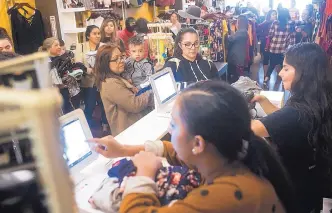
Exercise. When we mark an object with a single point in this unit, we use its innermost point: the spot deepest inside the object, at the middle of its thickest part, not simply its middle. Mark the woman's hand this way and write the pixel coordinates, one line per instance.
(258, 98)
(108, 147)
(147, 164)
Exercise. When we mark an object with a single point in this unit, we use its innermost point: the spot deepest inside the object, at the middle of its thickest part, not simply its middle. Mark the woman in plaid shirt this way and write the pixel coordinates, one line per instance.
(282, 35)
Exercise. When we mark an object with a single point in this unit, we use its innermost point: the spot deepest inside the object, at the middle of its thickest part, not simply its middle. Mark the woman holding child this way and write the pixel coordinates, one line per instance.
(122, 106)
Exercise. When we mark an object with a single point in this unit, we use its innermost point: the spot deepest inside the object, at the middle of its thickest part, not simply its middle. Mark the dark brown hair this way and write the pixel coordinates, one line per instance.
(136, 40)
(179, 38)
(102, 65)
(243, 22)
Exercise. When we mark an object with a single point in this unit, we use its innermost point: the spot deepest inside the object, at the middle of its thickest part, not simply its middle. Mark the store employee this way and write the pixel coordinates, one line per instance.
(302, 130)
(187, 64)
(242, 172)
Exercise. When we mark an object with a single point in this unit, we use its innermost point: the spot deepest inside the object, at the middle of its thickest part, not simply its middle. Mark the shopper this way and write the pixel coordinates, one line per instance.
(187, 64)
(123, 108)
(242, 173)
(108, 32)
(142, 30)
(263, 33)
(90, 93)
(281, 36)
(176, 26)
(301, 130)
(127, 33)
(69, 87)
(6, 45)
(238, 50)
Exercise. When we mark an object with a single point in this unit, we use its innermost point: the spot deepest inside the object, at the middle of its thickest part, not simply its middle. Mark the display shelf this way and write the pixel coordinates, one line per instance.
(74, 30)
(73, 10)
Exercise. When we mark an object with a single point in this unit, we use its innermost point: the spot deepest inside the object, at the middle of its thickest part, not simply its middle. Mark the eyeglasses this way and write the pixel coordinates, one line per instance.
(191, 45)
(119, 59)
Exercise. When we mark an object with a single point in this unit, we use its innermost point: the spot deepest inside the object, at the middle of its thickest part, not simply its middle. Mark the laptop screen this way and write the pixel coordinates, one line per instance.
(76, 147)
(165, 87)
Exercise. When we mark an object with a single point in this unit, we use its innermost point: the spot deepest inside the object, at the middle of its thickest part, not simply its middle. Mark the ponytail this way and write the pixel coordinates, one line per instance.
(47, 44)
(262, 159)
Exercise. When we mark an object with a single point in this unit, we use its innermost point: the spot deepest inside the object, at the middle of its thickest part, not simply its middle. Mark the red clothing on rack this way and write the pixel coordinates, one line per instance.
(328, 8)
(125, 35)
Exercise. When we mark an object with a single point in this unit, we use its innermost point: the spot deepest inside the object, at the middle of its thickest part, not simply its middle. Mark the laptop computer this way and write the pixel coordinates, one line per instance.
(79, 154)
(165, 91)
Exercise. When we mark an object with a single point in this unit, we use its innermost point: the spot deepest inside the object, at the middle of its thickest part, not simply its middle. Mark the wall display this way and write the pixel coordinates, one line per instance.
(72, 4)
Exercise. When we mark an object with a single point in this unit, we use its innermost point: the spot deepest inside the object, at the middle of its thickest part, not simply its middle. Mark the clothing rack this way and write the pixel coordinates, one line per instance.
(159, 49)
(159, 27)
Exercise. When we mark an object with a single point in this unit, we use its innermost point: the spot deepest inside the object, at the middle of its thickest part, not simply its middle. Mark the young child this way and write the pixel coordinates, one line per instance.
(137, 68)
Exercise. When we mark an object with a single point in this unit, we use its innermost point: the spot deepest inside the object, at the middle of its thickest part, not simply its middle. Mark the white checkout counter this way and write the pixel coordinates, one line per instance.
(151, 127)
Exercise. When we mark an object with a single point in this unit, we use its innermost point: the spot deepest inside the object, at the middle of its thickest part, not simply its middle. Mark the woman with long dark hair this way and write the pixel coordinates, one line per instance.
(302, 129)
(90, 92)
(281, 36)
(187, 64)
(263, 32)
(211, 132)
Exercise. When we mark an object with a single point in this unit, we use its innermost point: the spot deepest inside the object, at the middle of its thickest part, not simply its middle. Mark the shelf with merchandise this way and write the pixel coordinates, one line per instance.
(74, 30)
(73, 10)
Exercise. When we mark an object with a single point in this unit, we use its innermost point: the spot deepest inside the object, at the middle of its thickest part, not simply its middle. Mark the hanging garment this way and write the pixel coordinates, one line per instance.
(97, 21)
(217, 41)
(164, 3)
(28, 33)
(88, 4)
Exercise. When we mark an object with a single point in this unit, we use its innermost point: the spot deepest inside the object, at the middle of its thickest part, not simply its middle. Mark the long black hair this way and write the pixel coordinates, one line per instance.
(269, 14)
(283, 18)
(142, 26)
(218, 112)
(179, 38)
(312, 94)
(89, 30)
(243, 22)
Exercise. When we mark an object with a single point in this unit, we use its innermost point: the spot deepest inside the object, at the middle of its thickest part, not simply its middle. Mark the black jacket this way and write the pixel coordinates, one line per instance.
(237, 49)
(191, 72)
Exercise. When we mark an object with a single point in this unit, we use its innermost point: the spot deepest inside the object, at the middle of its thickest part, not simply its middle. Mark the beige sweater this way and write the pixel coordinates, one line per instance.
(121, 105)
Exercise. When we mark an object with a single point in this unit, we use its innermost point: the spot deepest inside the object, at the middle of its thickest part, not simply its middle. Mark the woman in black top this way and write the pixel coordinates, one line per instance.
(302, 130)
(187, 64)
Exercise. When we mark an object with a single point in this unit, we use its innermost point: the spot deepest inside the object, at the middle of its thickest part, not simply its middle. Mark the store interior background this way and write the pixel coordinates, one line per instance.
(72, 32)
